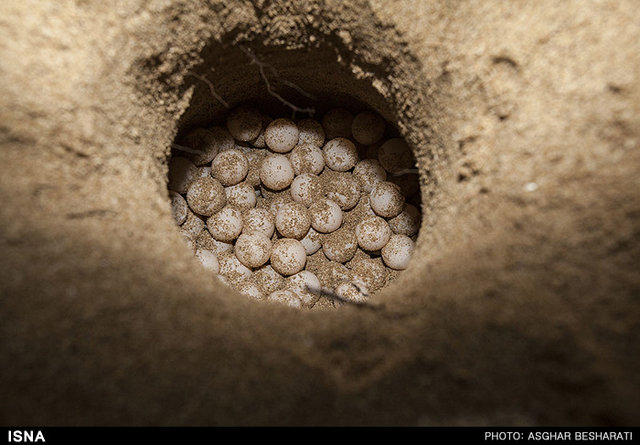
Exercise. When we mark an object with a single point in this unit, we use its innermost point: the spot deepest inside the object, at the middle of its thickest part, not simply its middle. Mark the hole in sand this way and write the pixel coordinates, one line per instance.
(292, 184)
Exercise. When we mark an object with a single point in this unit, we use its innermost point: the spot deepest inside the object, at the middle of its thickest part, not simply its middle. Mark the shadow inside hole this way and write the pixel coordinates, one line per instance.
(316, 78)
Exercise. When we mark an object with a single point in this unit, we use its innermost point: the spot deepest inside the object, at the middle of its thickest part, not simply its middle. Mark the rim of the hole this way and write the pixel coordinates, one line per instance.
(393, 113)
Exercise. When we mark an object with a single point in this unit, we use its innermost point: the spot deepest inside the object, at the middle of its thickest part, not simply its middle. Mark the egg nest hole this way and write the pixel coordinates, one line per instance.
(293, 185)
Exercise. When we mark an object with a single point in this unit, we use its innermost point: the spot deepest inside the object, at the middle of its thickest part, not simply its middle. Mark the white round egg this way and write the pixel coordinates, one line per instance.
(373, 233)
(268, 279)
(230, 167)
(241, 195)
(292, 220)
(281, 135)
(340, 154)
(276, 172)
(350, 292)
(193, 225)
(407, 222)
(206, 196)
(307, 158)
(225, 225)
(253, 249)
(251, 290)
(311, 242)
(386, 199)
(258, 220)
(305, 188)
(368, 173)
(232, 268)
(326, 215)
(288, 256)
(221, 246)
(305, 281)
(397, 253)
(306, 285)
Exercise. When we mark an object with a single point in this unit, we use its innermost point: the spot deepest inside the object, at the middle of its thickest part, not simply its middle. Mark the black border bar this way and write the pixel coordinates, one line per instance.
(178, 435)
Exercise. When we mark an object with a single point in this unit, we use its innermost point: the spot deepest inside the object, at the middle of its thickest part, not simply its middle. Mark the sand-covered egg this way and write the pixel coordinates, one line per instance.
(340, 154)
(230, 167)
(286, 297)
(369, 172)
(276, 172)
(373, 233)
(326, 216)
(397, 252)
(225, 225)
(407, 222)
(307, 158)
(259, 220)
(244, 123)
(206, 196)
(305, 188)
(341, 245)
(253, 249)
(343, 189)
(310, 132)
(209, 260)
(293, 220)
(241, 195)
(281, 135)
(386, 199)
(288, 256)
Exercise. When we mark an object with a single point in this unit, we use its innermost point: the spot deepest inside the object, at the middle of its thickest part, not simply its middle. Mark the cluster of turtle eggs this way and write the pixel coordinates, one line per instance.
(294, 211)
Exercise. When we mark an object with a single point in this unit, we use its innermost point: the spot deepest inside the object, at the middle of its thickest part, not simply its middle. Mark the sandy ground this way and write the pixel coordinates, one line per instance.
(521, 306)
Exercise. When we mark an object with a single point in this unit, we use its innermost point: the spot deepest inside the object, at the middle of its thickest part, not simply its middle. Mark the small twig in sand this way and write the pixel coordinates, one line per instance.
(336, 297)
(186, 149)
(211, 87)
(408, 171)
(261, 67)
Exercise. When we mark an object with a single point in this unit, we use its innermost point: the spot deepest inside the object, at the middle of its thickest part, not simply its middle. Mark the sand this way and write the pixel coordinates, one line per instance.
(521, 304)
